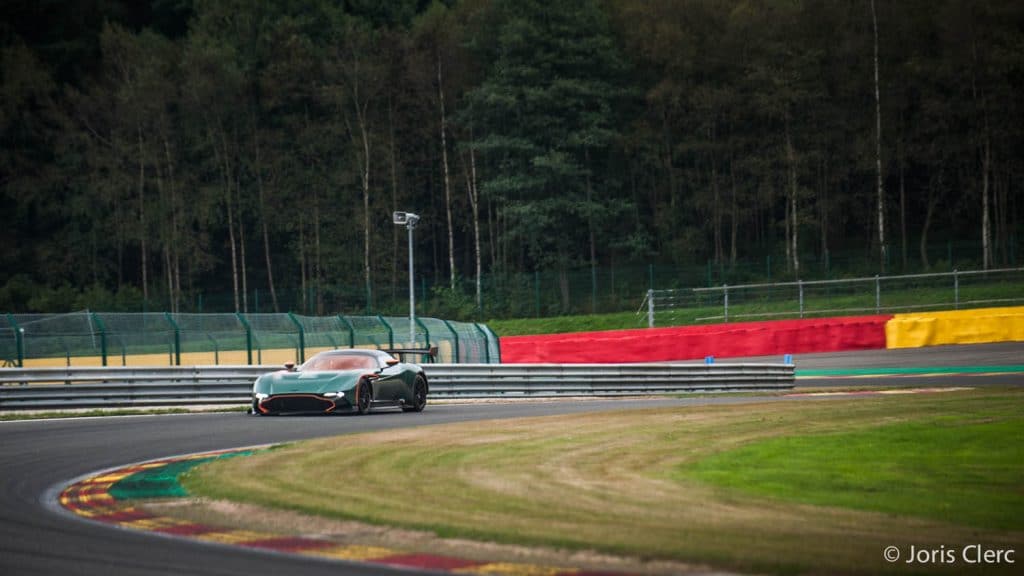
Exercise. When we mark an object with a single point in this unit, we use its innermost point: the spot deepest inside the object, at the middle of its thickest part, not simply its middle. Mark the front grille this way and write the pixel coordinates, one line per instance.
(297, 403)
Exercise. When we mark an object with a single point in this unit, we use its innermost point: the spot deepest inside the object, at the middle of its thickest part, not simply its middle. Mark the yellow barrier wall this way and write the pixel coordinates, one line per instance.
(958, 327)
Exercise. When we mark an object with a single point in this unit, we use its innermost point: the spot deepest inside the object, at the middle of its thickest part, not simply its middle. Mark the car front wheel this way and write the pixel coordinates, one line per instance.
(364, 397)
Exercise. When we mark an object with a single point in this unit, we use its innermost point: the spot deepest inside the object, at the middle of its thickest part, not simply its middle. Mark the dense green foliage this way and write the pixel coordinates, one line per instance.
(156, 151)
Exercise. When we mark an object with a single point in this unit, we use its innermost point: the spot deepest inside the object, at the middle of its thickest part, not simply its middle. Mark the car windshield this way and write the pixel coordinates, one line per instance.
(340, 362)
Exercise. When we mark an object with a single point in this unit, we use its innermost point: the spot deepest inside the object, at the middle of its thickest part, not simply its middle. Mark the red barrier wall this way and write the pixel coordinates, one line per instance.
(692, 342)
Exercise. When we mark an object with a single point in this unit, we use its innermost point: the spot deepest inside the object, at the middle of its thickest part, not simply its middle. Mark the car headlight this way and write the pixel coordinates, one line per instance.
(334, 395)
(260, 396)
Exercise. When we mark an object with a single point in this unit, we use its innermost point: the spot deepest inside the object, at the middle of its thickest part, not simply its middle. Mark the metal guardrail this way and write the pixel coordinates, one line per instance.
(89, 387)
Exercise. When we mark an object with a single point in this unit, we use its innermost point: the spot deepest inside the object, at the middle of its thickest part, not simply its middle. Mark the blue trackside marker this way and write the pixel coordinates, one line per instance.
(787, 359)
(709, 359)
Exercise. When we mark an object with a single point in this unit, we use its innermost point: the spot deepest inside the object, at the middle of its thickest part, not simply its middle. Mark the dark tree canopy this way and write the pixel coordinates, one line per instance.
(157, 153)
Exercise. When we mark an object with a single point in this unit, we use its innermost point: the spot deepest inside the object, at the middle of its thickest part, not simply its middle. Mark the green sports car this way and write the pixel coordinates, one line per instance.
(343, 381)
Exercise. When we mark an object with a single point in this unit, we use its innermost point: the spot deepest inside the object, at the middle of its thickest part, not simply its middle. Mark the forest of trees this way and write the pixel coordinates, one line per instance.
(153, 151)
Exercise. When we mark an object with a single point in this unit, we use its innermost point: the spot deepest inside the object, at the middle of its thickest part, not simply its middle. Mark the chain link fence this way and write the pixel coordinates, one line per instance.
(154, 339)
(870, 295)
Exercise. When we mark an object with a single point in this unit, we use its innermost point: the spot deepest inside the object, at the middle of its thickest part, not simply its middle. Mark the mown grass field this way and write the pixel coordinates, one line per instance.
(778, 487)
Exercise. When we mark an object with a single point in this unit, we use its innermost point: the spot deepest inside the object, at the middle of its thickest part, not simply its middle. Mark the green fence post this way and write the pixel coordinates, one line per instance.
(103, 337)
(487, 344)
(248, 337)
(216, 349)
(455, 336)
(391, 333)
(177, 338)
(426, 331)
(497, 342)
(351, 331)
(302, 337)
(19, 340)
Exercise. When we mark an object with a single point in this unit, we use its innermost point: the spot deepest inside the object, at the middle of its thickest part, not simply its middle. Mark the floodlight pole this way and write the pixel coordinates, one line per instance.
(409, 220)
(412, 289)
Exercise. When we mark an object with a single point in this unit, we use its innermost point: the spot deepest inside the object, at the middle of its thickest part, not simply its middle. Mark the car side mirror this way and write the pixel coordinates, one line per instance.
(392, 362)
(289, 366)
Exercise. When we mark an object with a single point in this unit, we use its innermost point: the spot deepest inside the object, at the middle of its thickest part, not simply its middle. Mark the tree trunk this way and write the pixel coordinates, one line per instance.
(734, 219)
(364, 144)
(492, 238)
(318, 269)
(469, 173)
(986, 228)
(878, 147)
(591, 234)
(934, 191)
(716, 208)
(394, 198)
(903, 211)
(447, 184)
(793, 223)
(142, 219)
(303, 267)
(175, 239)
(120, 226)
(669, 166)
(221, 152)
(823, 211)
(263, 213)
(361, 140)
(245, 275)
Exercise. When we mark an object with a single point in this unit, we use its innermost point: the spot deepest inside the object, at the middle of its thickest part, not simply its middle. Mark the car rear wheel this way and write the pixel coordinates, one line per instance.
(419, 395)
(255, 411)
(364, 397)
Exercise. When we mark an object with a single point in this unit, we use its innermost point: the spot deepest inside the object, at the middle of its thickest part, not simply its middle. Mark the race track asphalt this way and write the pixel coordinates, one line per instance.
(37, 458)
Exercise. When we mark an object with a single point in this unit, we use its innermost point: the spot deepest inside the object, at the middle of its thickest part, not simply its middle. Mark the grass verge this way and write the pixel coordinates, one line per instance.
(674, 484)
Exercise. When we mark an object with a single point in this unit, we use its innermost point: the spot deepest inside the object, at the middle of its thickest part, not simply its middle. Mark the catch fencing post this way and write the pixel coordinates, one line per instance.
(103, 338)
(497, 342)
(487, 344)
(351, 331)
(800, 288)
(248, 336)
(391, 333)
(19, 340)
(725, 291)
(302, 337)
(177, 339)
(956, 289)
(650, 308)
(455, 335)
(426, 331)
(878, 294)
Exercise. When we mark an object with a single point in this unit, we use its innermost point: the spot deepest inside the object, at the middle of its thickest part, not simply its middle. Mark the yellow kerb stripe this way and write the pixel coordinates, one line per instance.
(352, 552)
(508, 569)
(235, 536)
